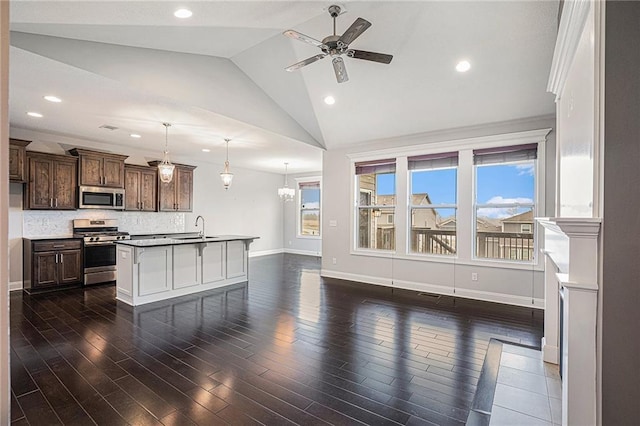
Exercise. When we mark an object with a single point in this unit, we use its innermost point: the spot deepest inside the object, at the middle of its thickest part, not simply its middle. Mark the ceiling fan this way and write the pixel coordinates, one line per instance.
(336, 46)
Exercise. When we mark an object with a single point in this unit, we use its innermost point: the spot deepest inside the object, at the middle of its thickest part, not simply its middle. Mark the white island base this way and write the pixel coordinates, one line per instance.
(153, 270)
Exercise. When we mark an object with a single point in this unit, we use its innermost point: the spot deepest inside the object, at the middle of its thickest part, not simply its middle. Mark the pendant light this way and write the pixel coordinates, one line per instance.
(226, 175)
(285, 192)
(165, 168)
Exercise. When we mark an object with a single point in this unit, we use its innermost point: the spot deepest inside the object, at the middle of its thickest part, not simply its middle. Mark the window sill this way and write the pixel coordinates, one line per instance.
(309, 237)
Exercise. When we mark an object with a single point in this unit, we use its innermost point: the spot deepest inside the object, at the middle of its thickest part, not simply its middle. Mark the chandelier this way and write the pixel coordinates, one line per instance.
(226, 175)
(165, 168)
(285, 192)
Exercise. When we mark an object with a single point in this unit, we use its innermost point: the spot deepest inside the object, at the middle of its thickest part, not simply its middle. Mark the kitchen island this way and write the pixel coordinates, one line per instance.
(150, 270)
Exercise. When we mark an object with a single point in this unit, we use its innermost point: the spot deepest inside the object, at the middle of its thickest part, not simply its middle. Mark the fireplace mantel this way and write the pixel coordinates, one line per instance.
(571, 274)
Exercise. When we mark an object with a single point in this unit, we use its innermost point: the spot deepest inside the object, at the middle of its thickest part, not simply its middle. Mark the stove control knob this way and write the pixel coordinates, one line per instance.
(90, 238)
(97, 238)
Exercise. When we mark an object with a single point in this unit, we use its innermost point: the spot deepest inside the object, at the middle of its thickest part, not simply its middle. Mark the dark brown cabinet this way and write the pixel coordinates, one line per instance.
(52, 263)
(100, 168)
(51, 183)
(177, 195)
(17, 160)
(141, 188)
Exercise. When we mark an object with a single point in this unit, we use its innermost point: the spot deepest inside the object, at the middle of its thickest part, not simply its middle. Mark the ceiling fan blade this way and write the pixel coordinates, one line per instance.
(340, 70)
(305, 38)
(358, 27)
(370, 56)
(306, 62)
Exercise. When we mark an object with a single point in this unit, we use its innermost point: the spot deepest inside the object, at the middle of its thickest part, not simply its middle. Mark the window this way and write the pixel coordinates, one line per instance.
(432, 203)
(505, 202)
(309, 217)
(375, 207)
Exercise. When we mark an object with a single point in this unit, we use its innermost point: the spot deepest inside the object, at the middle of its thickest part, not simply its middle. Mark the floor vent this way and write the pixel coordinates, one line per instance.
(430, 295)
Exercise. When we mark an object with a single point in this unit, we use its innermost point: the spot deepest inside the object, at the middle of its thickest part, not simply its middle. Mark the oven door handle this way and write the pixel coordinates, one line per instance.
(99, 243)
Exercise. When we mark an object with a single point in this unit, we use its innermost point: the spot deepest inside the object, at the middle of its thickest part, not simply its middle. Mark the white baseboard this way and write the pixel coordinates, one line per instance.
(486, 296)
(265, 252)
(303, 252)
(550, 353)
(15, 285)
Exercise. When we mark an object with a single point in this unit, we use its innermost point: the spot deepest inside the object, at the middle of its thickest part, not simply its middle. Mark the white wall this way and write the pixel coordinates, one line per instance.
(250, 207)
(292, 242)
(517, 284)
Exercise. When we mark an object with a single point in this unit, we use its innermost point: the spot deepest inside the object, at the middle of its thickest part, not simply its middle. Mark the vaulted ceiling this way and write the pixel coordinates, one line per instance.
(220, 74)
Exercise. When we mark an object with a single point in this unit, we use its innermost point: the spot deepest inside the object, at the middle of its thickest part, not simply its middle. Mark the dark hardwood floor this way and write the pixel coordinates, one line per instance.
(288, 348)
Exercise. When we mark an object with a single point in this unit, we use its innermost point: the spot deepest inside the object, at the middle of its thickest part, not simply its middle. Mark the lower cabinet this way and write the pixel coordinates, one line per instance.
(52, 263)
(149, 274)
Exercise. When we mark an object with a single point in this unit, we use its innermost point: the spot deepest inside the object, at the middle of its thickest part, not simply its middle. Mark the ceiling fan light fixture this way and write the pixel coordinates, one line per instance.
(165, 168)
(340, 69)
(226, 176)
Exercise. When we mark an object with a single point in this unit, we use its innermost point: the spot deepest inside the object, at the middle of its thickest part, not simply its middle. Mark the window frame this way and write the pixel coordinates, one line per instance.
(411, 207)
(356, 191)
(299, 209)
(533, 205)
(417, 146)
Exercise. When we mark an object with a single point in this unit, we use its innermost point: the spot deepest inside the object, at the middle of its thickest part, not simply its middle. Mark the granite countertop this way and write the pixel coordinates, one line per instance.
(157, 242)
(55, 237)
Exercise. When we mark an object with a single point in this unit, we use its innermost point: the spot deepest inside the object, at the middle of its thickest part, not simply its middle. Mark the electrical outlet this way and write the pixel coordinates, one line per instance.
(474, 276)
(334, 260)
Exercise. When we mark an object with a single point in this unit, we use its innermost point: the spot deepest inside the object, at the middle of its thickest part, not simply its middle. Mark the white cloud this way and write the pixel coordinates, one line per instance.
(525, 169)
(502, 212)
(314, 205)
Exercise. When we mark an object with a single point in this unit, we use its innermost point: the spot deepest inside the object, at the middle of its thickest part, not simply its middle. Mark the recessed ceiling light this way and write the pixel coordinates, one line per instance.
(206, 150)
(52, 98)
(34, 114)
(329, 100)
(135, 135)
(182, 13)
(463, 66)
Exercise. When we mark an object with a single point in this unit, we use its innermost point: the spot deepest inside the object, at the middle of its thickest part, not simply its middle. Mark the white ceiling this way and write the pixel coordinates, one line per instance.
(220, 73)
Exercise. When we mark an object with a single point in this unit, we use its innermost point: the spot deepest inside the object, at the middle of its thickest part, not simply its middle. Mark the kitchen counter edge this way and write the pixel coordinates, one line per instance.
(158, 242)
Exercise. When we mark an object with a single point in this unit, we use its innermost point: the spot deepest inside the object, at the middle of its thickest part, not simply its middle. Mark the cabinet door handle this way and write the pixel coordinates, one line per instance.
(105, 180)
(59, 246)
(50, 202)
(142, 205)
(56, 203)
(56, 257)
(61, 258)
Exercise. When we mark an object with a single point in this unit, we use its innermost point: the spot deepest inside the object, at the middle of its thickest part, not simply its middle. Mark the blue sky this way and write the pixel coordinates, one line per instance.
(496, 183)
(310, 198)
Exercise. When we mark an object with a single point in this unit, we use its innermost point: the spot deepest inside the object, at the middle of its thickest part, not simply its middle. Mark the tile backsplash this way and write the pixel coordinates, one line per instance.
(37, 223)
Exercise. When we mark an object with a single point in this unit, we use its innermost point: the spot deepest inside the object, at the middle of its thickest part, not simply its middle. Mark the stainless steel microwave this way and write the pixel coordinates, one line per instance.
(95, 197)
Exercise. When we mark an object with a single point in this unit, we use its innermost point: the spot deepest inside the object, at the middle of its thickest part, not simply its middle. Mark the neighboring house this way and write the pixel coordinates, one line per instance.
(520, 224)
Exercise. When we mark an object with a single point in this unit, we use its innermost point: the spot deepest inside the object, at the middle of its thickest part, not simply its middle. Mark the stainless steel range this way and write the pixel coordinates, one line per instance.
(99, 238)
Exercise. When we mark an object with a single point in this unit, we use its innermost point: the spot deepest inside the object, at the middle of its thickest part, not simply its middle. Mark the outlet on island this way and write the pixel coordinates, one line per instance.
(474, 276)
(334, 260)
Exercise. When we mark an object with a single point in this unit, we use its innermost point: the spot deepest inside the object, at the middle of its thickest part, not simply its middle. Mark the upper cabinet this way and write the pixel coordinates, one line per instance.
(100, 168)
(52, 182)
(17, 160)
(177, 195)
(140, 188)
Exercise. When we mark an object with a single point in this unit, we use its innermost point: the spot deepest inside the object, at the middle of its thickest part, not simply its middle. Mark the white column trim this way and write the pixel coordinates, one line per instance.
(574, 17)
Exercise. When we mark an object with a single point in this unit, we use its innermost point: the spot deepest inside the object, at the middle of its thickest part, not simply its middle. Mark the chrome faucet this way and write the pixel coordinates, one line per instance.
(201, 232)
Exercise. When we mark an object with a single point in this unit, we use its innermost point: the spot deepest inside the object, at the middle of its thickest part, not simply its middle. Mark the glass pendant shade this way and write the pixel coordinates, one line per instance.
(285, 193)
(226, 175)
(165, 168)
